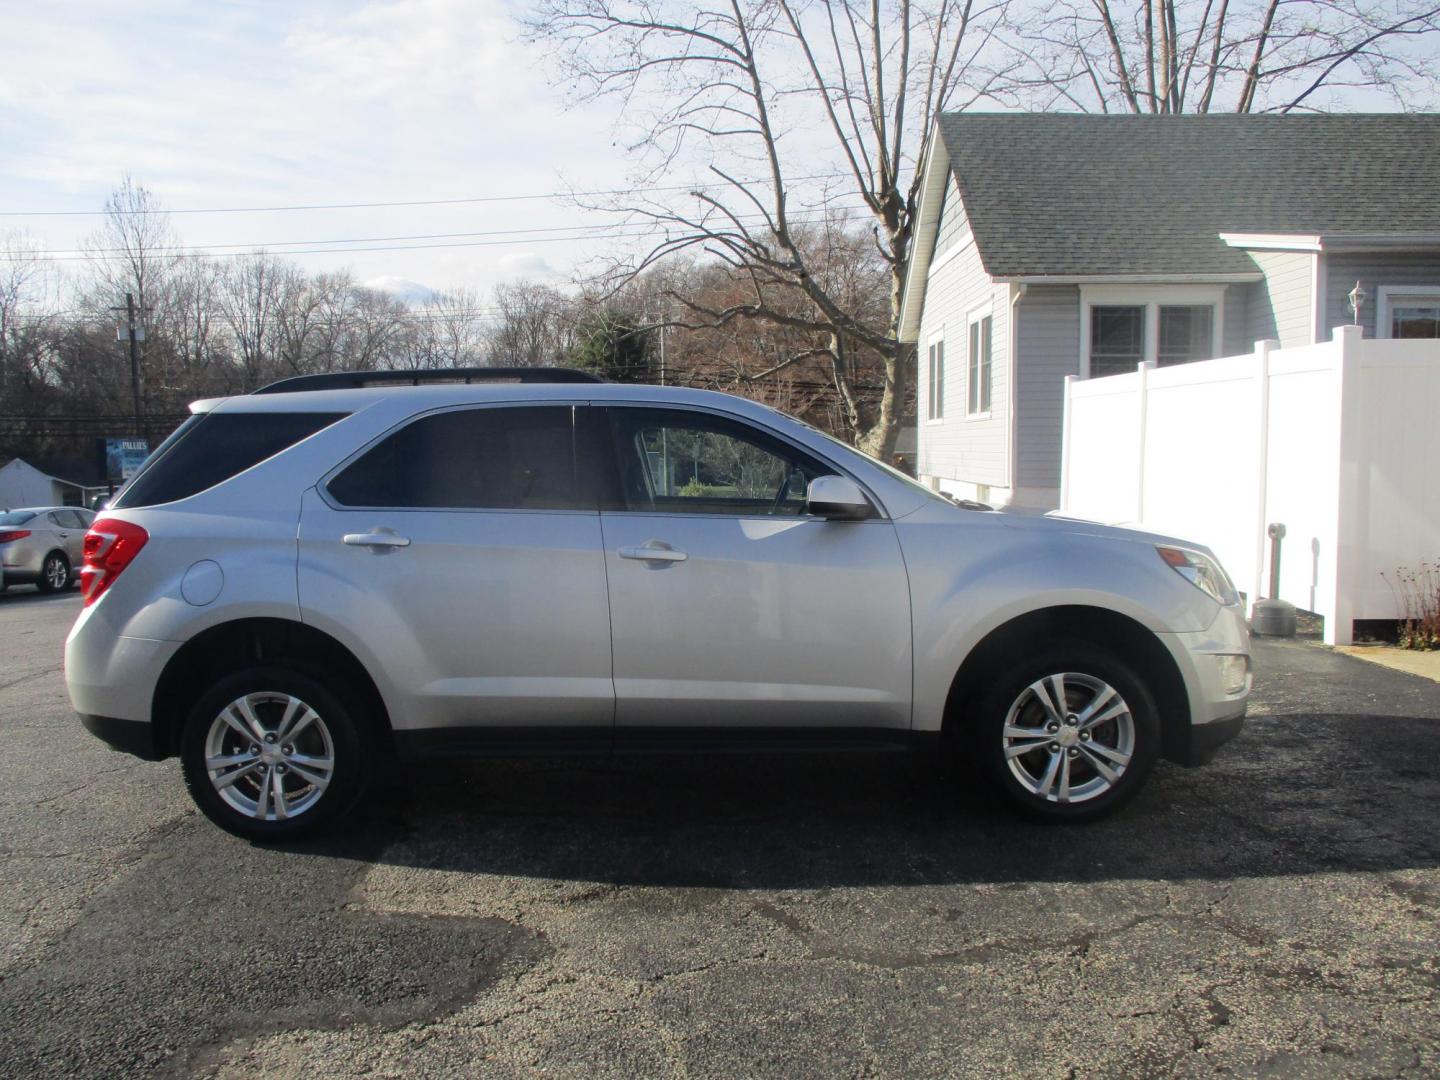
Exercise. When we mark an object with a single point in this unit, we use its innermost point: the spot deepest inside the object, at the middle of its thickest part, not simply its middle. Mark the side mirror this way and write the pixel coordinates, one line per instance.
(837, 498)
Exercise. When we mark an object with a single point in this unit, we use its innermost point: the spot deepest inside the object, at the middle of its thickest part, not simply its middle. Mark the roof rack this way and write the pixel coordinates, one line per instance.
(354, 380)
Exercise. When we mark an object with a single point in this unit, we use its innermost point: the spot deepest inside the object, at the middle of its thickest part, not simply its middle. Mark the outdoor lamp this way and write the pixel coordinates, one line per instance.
(1357, 300)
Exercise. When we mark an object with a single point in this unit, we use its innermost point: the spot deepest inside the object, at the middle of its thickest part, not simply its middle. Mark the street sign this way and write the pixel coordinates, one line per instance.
(123, 458)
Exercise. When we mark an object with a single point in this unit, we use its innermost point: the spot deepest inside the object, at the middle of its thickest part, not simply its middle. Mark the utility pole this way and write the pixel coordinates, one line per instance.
(134, 335)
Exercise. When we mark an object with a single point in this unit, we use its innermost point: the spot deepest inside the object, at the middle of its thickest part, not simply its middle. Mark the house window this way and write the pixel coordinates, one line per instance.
(1117, 339)
(936, 383)
(1412, 312)
(978, 382)
(1123, 325)
(1186, 333)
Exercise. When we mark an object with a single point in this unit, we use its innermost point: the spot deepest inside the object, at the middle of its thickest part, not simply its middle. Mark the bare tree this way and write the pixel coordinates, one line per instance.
(22, 293)
(768, 93)
(248, 300)
(533, 325)
(1171, 56)
(453, 327)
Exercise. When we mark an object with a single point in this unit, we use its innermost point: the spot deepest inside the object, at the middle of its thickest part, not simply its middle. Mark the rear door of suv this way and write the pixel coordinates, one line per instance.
(460, 556)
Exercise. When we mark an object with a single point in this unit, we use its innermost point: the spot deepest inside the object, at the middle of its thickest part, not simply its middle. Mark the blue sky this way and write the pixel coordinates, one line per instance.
(213, 104)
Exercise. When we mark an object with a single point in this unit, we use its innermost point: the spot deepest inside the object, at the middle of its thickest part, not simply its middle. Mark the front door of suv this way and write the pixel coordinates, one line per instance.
(729, 605)
(461, 558)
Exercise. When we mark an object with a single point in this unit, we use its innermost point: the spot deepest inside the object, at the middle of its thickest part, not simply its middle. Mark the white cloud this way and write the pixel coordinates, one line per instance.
(526, 264)
(411, 292)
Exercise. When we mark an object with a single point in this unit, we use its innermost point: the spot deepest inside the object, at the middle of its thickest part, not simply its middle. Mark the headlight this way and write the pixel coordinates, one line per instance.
(1201, 571)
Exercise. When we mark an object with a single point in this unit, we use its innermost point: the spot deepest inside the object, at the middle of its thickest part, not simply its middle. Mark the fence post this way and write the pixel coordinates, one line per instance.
(1143, 401)
(1340, 628)
(1262, 458)
(1066, 434)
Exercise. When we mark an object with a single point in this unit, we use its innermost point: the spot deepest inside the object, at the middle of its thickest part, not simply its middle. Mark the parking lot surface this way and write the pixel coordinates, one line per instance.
(1273, 913)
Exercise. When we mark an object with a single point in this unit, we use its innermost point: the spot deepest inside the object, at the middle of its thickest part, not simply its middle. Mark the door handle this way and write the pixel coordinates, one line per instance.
(651, 552)
(377, 540)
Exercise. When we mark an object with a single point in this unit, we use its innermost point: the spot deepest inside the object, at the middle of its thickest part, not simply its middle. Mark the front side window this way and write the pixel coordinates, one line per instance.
(678, 461)
(978, 399)
(1117, 338)
(470, 459)
(935, 387)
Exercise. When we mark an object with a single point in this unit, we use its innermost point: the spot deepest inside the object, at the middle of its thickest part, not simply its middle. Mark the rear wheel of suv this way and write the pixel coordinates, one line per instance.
(54, 573)
(270, 753)
(1067, 734)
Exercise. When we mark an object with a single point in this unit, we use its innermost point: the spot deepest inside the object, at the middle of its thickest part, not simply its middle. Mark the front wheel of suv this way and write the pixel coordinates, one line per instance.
(271, 753)
(1069, 733)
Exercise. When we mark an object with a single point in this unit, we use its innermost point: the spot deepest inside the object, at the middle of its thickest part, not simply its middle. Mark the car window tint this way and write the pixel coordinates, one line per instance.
(471, 459)
(215, 447)
(55, 519)
(16, 517)
(682, 461)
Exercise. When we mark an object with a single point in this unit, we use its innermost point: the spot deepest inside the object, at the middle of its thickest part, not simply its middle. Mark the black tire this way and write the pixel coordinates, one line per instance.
(343, 720)
(985, 736)
(49, 568)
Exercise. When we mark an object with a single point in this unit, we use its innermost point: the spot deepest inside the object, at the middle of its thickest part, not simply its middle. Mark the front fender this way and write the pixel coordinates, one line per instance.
(968, 579)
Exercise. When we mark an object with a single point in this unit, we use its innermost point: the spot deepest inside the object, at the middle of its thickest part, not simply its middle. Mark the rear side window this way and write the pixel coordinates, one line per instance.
(471, 459)
(214, 447)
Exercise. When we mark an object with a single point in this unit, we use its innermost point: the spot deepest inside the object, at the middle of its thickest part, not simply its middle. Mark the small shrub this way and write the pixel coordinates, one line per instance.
(1418, 595)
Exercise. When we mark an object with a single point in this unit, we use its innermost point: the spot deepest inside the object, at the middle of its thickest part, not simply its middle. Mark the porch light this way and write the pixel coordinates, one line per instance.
(1358, 297)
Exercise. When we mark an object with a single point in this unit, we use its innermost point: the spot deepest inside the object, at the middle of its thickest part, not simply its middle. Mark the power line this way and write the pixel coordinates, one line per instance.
(635, 232)
(409, 202)
(806, 216)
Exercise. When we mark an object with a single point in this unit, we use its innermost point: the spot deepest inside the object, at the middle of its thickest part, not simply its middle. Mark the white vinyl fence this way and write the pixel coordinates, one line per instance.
(1339, 442)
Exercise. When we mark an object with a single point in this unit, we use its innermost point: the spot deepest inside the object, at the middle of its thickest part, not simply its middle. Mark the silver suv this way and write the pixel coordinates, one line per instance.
(308, 581)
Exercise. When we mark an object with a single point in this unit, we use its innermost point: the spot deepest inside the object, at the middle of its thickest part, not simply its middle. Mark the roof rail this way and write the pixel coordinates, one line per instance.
(354, 380)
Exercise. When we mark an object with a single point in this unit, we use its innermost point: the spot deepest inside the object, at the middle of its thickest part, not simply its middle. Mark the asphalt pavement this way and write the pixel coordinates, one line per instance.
(1273, 913)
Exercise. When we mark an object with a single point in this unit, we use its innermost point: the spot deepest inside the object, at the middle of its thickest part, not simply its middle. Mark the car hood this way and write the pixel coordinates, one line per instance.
(1055, 524)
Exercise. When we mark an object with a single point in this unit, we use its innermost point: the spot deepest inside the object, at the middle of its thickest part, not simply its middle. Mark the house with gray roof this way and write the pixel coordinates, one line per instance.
(1053, 245)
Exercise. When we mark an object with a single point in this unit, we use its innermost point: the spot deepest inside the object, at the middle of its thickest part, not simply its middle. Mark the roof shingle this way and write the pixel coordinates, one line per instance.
(1064, 194)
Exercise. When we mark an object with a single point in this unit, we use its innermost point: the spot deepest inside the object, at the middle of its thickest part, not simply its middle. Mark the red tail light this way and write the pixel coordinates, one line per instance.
(110, 545)
(6, 535)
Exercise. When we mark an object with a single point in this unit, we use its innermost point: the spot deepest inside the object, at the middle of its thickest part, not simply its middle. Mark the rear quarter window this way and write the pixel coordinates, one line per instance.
(212, 448)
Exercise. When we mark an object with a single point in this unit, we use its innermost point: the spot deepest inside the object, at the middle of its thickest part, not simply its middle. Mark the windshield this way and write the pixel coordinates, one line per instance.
(16, 517)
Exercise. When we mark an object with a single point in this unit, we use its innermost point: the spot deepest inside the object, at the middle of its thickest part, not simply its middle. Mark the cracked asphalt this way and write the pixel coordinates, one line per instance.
(1271, 914)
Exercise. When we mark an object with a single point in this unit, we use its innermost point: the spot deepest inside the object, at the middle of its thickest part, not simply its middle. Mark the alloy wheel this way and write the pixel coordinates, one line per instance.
(1068, 737)
(57, 574)
(269, 756)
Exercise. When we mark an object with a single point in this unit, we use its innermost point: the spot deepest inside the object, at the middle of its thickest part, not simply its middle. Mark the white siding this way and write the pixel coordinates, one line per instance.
(953, 224)
(961, 448)
(1281, 308)
(1372, 270)
(21, 484)
(1048, 348)
(1237, 328)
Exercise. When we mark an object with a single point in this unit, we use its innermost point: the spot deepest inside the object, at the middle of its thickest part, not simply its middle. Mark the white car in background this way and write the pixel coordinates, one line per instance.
(42, 545)
(306, 582)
